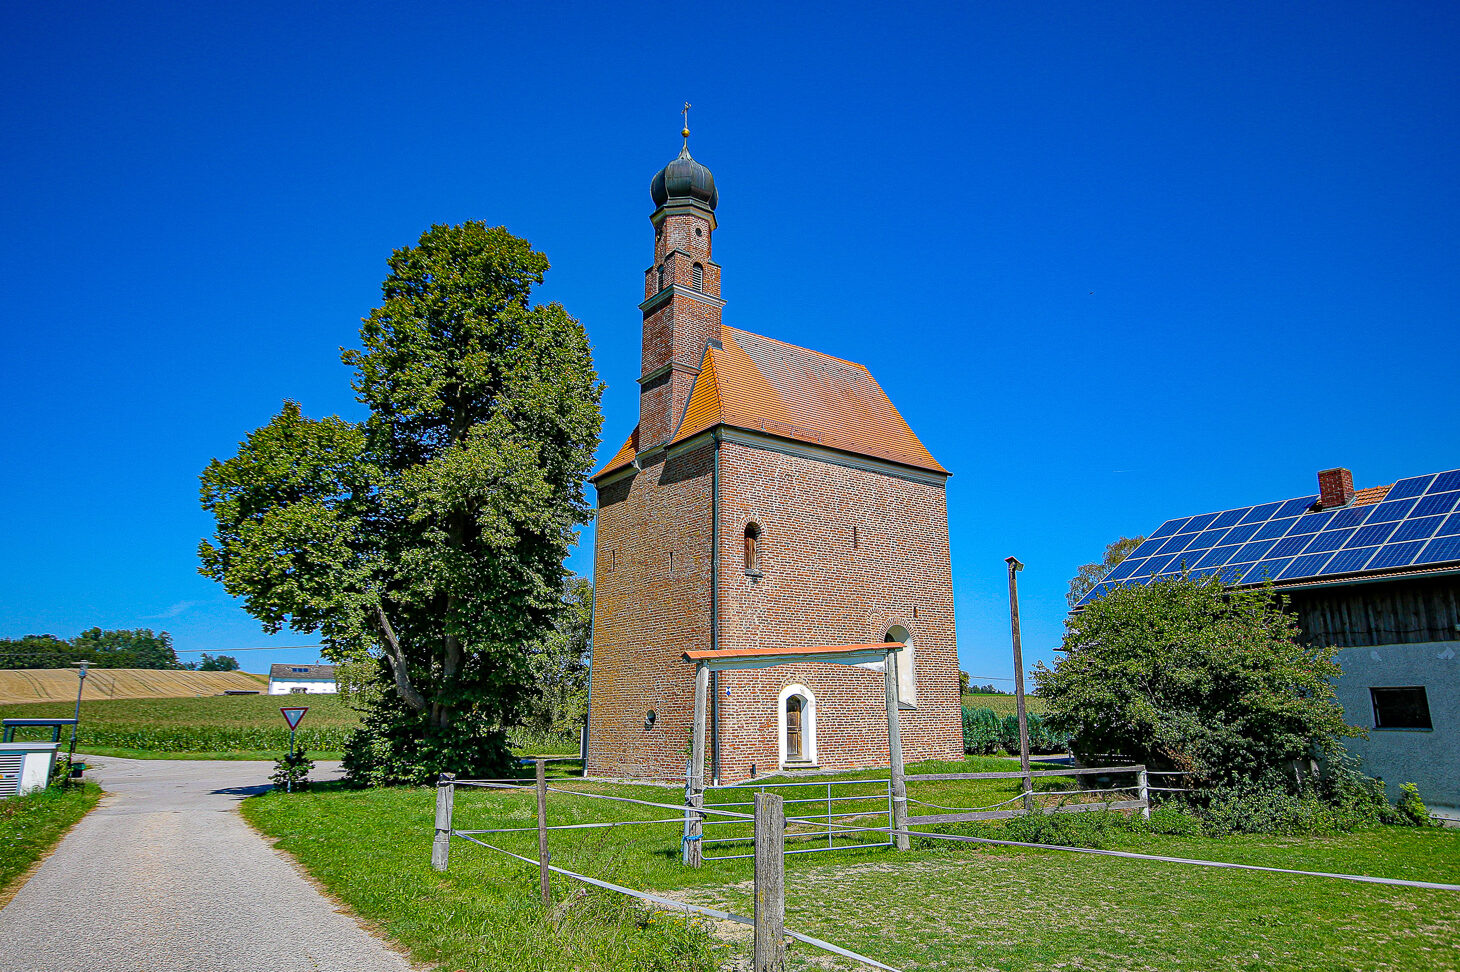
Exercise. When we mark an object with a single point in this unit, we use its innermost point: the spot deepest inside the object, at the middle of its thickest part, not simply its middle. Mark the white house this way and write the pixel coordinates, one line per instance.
(302, 680)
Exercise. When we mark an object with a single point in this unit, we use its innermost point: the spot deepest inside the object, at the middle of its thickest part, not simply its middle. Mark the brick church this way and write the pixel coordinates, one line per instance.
(770, 497)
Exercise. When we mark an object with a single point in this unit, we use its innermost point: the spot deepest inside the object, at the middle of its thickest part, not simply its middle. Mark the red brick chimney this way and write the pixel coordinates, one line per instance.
(1335, 488)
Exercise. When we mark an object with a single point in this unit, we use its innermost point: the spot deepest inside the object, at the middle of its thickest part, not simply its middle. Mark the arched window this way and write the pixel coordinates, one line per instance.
(797, 720)
(699, 277)
(752, 548)
(661, 276)
(904, 665)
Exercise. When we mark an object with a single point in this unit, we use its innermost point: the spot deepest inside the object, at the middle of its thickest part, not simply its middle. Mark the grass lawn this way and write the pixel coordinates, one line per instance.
(940, 906)
(31, 825)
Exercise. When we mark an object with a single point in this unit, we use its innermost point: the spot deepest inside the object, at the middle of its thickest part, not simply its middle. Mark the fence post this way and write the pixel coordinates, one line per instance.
(1143, 789)
(770, 883)
(445, 798)
(894, 756)
(542, 847)
(693, 852)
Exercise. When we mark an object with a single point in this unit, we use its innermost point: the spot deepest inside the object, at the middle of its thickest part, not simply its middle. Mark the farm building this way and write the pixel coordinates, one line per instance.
(302, 680)
(770, 499)
(1375, 572)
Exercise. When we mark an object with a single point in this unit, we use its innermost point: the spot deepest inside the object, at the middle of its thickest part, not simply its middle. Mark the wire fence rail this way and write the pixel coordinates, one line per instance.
(768, 821)
(767, 825)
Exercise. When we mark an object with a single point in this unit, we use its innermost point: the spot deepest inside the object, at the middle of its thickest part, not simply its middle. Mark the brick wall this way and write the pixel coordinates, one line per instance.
(647, 613)
(816, 588)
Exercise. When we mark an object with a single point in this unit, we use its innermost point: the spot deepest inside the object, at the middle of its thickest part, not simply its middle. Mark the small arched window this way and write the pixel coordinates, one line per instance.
(661, 276)
(699, 277)
(752, 548)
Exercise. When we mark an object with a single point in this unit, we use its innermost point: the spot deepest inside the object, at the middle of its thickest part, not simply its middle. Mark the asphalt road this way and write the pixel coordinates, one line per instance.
(164, 876)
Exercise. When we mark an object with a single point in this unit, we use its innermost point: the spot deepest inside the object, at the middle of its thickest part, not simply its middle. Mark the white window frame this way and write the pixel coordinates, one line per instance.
(808, 724)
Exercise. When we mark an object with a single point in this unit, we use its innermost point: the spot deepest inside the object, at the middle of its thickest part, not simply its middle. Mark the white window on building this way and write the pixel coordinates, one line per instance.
(796, 716)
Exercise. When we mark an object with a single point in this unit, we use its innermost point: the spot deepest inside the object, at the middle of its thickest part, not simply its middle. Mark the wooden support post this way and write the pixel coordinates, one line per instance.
(694, 837)
(542, 847)
(894, 754)
(1143, 790)
(1014, 567)
(770, 883)
(445, 798)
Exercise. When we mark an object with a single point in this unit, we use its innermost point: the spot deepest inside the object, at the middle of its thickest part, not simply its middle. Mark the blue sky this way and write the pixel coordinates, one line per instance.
(1113, 262)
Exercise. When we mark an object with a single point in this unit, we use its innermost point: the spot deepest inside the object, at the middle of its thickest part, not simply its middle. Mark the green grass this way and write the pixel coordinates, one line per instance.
(1004, 705)
(203, 727)
(30, 825)
(940, 906)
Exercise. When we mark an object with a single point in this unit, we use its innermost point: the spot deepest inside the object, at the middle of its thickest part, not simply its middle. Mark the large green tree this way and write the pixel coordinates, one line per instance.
(431, 534)
(1188, 674)
(1088, 575)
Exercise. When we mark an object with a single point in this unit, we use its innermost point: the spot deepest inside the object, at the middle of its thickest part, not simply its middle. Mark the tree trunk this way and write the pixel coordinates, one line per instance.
(403, 686)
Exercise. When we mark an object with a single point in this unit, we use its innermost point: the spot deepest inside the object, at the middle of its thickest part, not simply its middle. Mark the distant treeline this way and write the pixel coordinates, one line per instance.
(139, 648)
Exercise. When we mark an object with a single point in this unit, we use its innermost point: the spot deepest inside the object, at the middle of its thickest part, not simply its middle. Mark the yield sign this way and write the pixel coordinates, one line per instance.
(292, 714)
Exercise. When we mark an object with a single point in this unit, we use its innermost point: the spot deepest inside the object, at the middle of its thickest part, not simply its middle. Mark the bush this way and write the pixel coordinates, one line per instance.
(981, 731)
(392, 746)
(291, 771)
(1411, 809)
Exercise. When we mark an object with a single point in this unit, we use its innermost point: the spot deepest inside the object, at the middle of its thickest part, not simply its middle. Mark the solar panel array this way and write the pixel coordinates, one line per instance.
(1417, 524)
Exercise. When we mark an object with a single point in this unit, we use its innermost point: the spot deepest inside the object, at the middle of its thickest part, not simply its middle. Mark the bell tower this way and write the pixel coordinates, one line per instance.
(681, 293)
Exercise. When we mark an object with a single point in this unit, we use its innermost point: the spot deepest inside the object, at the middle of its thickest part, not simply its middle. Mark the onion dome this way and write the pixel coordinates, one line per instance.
(684, 179)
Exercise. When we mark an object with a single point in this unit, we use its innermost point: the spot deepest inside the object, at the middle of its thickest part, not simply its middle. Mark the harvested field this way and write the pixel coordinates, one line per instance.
(59, 684)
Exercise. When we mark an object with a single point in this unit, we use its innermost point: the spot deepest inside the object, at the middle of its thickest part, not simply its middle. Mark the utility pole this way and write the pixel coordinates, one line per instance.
(1014, 567)
(80, 684)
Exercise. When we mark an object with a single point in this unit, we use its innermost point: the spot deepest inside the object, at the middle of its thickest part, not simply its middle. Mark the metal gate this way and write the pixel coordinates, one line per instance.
(842, 801)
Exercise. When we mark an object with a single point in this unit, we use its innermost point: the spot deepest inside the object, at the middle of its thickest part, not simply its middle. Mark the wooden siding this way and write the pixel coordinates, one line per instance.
(1394, 613)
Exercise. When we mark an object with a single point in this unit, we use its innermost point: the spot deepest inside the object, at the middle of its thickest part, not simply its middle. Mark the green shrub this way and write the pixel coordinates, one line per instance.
(1095, 829)
(1410, 808)
(291, 771)
(390, 748)
(1171, 820)
(981, 731)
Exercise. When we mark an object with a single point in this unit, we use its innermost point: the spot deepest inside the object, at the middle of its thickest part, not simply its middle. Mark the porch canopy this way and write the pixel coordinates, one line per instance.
(730, 659)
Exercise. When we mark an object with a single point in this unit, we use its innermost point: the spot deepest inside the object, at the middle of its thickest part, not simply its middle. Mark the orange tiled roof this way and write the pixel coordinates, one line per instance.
(1370, 495)
(762, 385)
(623, 456)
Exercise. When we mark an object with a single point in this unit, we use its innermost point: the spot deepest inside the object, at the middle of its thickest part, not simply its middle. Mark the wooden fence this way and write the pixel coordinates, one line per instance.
(1142, 788)
(769, 821)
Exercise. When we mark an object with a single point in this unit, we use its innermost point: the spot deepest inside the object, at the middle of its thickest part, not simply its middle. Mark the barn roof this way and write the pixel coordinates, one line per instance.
(1408, 528)
(762, 385)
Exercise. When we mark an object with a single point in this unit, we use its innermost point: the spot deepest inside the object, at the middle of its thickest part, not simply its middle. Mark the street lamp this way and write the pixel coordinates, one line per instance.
(80, 684)
(1014, 567)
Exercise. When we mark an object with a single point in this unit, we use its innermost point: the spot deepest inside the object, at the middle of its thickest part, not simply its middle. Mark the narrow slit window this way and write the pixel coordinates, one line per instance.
(699, 276)
(752, 548)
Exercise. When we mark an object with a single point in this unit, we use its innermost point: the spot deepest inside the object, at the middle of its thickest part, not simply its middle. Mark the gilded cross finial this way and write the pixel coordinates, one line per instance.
(685, 112)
